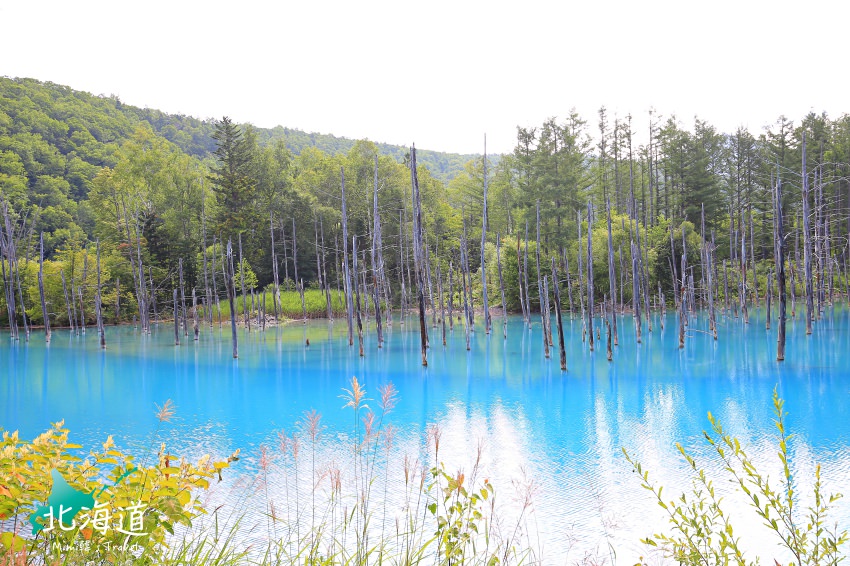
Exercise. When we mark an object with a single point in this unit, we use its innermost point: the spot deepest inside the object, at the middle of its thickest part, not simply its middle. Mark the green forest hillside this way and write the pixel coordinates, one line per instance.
(94, 124)
(161, 192)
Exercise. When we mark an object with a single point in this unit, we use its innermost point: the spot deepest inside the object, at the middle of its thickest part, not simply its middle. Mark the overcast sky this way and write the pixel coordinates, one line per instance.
(441, 73)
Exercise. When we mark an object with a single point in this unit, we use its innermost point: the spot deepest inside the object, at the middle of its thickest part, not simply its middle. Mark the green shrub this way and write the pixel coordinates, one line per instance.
(111, 494)
(702, 532)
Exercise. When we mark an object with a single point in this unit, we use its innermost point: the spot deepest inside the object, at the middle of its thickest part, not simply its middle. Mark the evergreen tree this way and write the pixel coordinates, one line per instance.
(232, 180)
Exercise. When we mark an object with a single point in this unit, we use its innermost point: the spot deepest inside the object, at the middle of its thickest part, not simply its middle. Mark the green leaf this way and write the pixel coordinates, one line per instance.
(12, 542)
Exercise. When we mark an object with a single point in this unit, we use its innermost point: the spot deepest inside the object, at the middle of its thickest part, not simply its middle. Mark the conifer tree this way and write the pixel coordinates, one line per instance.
(231, 178)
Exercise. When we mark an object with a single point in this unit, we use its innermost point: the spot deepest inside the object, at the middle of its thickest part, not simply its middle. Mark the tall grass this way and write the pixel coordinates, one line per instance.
(362, 506)
(370, 506)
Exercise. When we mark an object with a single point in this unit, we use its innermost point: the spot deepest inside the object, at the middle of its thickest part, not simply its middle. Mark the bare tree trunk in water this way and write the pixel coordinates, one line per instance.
(558, 319)
(44, 313)
(231, 295)
(418, 255)
(541, 296)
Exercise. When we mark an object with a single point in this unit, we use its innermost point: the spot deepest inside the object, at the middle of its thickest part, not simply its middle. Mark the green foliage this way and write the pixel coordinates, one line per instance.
(232, 180)
(702, 529)
(246, 274)
(290, 304)
(147, 500)
(79, 167)
(460, 516)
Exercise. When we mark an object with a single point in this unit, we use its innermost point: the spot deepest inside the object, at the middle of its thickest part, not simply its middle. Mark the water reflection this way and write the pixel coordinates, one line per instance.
(563, 431)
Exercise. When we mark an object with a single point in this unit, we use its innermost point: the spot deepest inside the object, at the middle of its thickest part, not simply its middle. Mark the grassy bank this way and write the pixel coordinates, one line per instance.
(290, 306)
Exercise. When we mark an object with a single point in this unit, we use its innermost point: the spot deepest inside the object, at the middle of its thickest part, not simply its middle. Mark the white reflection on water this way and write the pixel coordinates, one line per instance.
(559, 433)
(584, 504)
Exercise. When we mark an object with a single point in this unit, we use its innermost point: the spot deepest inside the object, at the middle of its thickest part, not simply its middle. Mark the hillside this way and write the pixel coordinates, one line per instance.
(92, 127)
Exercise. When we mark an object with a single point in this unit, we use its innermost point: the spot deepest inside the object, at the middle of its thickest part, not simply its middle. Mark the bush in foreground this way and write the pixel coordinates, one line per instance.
(702, 532)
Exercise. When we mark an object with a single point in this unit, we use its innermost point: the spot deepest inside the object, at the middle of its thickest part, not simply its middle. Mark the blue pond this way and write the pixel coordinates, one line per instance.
(553, 436)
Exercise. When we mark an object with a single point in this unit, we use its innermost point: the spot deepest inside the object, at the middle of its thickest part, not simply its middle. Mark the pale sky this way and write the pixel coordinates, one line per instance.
(441, 73)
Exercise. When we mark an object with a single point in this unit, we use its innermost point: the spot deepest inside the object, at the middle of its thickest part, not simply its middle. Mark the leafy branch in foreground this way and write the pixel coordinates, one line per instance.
(702, 533)
(57, 508)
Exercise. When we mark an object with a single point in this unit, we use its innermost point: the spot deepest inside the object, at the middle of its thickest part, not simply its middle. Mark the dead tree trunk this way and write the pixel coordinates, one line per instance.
(581, 278)
(79, 296)
(442, 303)
(144, 314)
(611, 277)
(349, 307)
(540, 295)
(590, 274)
(501, 285)
(207, 298)
(807, 244)
(17, 267)
(6, 243)
(609, 352)
(767, 297)
(99, 303)
(41, 289)
(430, 286)
(569, 282)
(319, 279)
(231, 295)
(195, 313)
(742, 290)
(463, 289)
(682, 310)
(451, 296)
(558, 319)
(707, 275)
(636, 293)
(522, 299)
(753, 259)
(8, 288)
(663, 303)
(275, 277)
(176, 319)
(418, 255)
(151, 300)
(622, 273)
(676, 297)
(485, 302)
(377, 260)
(328, 302)
(67, 302)
(525, 279)
(285, 256)
(795, 271)
(299, 284)
(354, 277)
(215, 287)
(183, 297)
(683, 294)
(245, 316)
(401, 266)
(780, 273)
(467, 285)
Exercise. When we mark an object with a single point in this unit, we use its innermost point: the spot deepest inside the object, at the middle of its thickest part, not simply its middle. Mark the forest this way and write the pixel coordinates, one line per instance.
(106, 206)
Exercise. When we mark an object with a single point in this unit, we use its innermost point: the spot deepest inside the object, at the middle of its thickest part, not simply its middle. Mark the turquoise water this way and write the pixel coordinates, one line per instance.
(561, 431)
